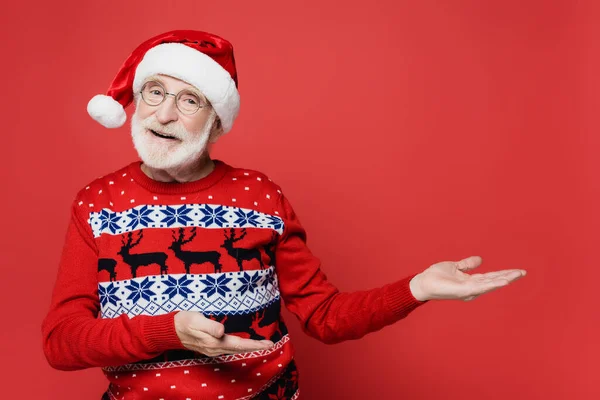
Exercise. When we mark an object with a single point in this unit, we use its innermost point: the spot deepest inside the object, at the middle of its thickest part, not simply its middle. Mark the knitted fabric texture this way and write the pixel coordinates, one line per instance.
(229, 246)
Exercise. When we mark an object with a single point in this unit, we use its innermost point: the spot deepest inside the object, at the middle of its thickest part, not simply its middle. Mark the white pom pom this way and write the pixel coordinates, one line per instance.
(107, 111)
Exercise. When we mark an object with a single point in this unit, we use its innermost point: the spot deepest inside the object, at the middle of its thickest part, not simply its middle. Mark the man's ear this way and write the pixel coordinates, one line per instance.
(216, 131)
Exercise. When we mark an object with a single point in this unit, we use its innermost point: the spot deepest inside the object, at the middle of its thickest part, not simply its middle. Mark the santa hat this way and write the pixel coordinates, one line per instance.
(201, 59)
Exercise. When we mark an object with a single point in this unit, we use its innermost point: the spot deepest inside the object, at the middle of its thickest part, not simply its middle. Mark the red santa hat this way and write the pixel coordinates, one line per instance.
(201, 59)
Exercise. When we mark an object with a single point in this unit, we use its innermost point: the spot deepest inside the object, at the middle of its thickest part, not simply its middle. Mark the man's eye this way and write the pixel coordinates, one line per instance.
(156, 92)
(190, 100)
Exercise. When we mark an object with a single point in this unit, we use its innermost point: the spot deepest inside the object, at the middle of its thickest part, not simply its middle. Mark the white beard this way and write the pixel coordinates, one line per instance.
(169, 154)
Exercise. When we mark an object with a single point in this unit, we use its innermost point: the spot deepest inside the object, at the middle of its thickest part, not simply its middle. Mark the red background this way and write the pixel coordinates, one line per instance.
(404, 132)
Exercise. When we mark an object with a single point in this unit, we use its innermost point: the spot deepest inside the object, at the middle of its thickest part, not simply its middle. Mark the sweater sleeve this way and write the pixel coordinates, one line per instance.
(326, 313)
(73, 335)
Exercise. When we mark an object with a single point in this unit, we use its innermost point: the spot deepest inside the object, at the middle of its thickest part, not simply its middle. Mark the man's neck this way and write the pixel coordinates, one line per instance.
(182, 174)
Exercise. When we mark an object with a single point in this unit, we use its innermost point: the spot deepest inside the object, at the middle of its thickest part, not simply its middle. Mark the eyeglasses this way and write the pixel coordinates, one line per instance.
(153, 93)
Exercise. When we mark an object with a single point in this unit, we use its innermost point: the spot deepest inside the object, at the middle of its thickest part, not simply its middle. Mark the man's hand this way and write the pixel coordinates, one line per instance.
(447, 281)
(203, 335)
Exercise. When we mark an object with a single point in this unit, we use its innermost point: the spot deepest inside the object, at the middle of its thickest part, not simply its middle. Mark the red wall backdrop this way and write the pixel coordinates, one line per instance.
(405, 133)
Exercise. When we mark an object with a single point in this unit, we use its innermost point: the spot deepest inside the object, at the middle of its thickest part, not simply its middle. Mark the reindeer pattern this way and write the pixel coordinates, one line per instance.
(193, 257)
(241, 254)
(217, 257)
(188, 250)
(197, 250)
(137, 260)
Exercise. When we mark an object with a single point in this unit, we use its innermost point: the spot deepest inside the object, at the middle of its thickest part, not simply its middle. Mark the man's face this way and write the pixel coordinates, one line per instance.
(189, 134)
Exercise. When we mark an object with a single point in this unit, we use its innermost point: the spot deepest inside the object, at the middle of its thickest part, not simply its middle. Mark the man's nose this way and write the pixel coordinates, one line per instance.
(167, 110)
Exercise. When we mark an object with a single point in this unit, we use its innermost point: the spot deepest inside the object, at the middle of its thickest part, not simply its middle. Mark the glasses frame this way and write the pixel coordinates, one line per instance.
(200, 104)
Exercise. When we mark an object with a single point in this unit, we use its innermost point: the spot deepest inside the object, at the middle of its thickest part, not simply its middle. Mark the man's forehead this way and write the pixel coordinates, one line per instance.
(166, 79)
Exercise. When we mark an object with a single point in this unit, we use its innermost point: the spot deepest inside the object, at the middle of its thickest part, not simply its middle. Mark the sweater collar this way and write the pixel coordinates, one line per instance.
(154, 186)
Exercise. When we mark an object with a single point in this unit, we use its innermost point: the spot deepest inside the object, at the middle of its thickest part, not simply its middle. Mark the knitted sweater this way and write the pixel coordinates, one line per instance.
(230, 246)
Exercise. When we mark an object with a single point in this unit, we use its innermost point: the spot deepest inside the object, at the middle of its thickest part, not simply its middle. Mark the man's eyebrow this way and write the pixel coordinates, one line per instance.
(154, 78)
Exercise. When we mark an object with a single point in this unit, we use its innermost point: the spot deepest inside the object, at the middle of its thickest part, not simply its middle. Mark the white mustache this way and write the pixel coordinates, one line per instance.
(175, 130)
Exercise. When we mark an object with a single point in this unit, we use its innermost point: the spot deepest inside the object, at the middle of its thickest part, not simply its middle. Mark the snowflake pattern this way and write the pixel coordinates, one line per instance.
(269, 278)
(109, 220)
(247, 218)
(176, 215)
(213, 215)
(140, 289)
(177, 286)
(108, 294)
(276, 222)
(218, 285)
(249, 283)
(213, 293)
(139, 217)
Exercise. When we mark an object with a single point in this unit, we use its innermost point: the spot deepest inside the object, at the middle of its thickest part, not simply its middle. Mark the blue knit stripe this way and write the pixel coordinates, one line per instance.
(217, 293)
(208, 216)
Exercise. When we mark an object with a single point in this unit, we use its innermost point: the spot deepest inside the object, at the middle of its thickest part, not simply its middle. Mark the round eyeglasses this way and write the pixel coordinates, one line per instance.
(154, 93)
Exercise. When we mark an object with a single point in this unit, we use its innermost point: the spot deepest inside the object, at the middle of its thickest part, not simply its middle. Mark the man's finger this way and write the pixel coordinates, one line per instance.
(492, 277)
(504, 272)
(510, 276)
(209, 326)
(485, 283)
(486, 287)
(234, 344)
(469, 263)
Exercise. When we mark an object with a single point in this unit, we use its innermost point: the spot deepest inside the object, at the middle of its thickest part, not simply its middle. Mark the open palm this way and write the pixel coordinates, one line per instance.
(448, 280)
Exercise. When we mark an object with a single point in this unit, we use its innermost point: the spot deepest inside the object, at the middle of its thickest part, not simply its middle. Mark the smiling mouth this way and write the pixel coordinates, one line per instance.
(160, 135)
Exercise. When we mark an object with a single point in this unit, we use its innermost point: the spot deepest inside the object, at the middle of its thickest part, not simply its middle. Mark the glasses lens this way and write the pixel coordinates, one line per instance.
(188, 102)
(153, 93)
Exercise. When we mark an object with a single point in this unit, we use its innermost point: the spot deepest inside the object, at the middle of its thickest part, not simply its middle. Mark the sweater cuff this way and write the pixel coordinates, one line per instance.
(160, 333)
(399, 298)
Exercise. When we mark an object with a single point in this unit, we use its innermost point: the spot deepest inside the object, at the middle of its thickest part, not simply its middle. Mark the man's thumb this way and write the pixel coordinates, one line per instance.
(469, 263)
(213, 328)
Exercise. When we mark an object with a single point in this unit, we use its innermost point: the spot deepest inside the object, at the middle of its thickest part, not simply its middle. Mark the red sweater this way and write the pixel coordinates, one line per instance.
(229, 245)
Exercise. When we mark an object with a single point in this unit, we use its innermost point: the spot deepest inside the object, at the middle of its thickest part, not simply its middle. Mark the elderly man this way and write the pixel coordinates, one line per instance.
(185, 259)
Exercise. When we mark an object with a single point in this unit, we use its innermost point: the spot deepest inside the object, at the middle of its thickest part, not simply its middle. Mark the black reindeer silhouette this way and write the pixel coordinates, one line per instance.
(142, 259)
(193, 257)
(108, 264)
(263, 322)
(238, 253)
(260, 325)
(269, 248)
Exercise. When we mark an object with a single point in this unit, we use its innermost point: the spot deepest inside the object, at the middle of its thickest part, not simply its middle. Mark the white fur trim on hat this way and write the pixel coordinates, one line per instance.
(197, 69)
(107, 111)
